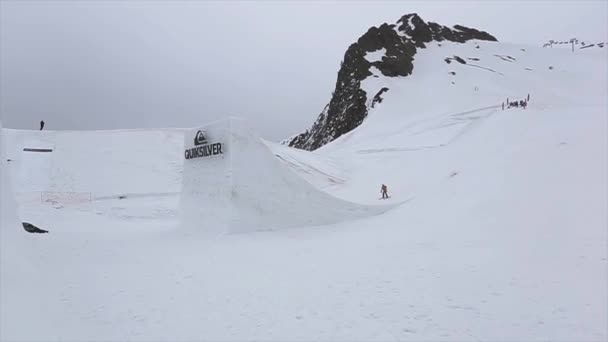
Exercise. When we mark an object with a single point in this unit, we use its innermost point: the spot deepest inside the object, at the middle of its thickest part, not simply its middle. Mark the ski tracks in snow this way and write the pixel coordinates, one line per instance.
(467, 120)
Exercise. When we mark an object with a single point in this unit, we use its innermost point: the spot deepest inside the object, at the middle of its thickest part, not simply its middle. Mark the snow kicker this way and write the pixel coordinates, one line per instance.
(236, 184)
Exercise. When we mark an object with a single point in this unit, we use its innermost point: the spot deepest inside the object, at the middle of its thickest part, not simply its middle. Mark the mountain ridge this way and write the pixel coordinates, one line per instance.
(347, 107)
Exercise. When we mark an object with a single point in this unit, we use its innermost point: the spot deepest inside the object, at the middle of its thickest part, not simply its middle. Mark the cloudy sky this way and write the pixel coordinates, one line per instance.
(147, 64)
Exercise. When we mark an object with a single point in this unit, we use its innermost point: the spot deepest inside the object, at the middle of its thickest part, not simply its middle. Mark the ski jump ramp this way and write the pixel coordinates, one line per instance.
(233, 183)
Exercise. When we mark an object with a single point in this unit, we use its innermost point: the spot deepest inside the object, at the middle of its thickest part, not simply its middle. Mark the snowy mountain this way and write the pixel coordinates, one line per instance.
(388, 50)
(495, 229)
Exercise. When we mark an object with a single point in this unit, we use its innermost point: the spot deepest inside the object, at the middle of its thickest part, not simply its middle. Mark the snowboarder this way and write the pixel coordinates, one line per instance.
(528, 98)
(384, 191)
(41, 125)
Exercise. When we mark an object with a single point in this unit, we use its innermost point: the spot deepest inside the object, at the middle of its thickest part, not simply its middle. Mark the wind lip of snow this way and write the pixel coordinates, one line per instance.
(375, 56)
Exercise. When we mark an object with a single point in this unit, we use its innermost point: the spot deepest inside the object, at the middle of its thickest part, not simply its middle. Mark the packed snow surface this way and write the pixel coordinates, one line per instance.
(498, 230)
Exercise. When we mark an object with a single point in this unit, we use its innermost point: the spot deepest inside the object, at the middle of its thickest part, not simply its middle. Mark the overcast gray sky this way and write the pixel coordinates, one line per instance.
(144, 64)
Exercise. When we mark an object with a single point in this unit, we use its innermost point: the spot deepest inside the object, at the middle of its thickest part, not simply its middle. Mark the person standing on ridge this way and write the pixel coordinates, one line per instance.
(41, 125)
(384, 191)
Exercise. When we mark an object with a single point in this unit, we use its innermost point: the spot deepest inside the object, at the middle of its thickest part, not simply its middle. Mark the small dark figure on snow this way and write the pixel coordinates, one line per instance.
(384, 191)
(30, 228)
(41, 125)
(528, 98)
(503, 106)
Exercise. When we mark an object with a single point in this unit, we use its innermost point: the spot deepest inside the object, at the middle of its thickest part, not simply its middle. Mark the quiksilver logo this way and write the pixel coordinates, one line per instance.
(204, 151)
(199, 139)
(202, 147)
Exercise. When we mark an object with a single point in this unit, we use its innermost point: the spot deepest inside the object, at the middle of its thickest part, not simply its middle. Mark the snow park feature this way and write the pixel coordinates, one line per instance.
(8, 207)
(495, 229)
(233, 183)
(20, 302)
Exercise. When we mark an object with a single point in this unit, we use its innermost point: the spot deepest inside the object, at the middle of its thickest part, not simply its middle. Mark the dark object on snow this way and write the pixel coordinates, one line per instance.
(41, 125)
(30, 228)
(384, 191)
(37, 149)
(459, 60)
(122, 196)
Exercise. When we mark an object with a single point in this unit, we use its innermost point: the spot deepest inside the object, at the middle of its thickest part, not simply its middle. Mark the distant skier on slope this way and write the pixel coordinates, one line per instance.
(384, 191)
(41, 125)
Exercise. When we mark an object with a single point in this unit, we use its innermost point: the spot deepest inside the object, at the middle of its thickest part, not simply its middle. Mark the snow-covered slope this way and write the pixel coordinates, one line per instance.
(438, 92)
(20, 276)
(503, 235)
(8, 206)
(103, 163)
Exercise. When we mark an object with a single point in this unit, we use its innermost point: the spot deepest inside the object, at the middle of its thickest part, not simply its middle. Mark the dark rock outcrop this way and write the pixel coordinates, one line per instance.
(378, 97)
(348, 106)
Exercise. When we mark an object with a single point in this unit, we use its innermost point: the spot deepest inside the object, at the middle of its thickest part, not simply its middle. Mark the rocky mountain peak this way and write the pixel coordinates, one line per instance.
(347, 108)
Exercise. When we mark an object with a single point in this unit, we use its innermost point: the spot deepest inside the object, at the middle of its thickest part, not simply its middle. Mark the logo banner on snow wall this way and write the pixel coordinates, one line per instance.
(206, 178)
(202, 146)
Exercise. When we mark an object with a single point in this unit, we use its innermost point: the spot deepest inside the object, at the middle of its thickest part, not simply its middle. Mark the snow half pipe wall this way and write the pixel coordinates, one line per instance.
(9, 221)
(233, 183)
(20, 299)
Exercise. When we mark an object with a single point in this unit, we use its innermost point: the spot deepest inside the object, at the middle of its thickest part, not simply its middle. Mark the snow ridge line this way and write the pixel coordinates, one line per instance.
(441, 124)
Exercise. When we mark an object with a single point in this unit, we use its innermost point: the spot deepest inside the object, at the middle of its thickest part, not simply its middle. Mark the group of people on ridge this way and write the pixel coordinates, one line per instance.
(521, 103)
